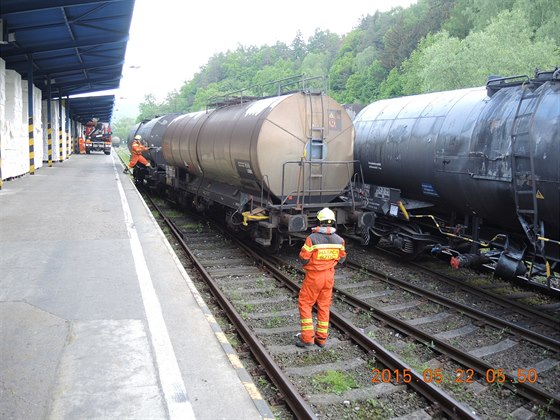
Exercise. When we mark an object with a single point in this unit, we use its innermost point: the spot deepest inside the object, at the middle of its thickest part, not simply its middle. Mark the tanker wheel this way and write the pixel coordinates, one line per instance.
(373, 241)
(183, 200)
(416, 250)
(161, 190)
(277, 242)
(368, 238)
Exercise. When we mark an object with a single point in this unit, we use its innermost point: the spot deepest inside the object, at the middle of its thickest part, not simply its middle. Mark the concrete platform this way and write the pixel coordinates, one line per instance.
(97, 317)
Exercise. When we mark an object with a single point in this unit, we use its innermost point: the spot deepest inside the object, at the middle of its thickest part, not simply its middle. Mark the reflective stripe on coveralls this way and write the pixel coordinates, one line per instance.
(307, 324)
(322, 251)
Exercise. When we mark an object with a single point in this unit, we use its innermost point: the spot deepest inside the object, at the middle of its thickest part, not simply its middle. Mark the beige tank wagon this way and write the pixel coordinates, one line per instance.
(269, 164)
(298, 147)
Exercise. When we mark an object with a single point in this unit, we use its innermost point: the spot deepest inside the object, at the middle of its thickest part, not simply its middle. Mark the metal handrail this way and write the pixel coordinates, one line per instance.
(308, 192)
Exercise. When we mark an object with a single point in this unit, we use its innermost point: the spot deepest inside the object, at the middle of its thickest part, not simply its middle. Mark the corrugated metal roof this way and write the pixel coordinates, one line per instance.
(85, 108)
(79, 44)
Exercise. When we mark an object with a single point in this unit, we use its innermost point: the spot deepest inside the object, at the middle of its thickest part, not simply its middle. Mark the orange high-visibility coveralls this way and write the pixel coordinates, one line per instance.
(322, 251)
(137, 149)
(82, 144)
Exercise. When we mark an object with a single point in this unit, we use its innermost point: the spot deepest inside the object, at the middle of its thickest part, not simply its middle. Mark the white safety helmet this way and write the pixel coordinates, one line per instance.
(137, 137)
(326, 215)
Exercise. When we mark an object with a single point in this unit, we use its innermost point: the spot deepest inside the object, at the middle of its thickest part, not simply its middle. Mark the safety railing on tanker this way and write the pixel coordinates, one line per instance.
(306, 196)
(297, 83)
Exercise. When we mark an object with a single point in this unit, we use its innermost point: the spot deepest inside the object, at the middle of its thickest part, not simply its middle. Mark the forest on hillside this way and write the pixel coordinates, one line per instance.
(430, 46)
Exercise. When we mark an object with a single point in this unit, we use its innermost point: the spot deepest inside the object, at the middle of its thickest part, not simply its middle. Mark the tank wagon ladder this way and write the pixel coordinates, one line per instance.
(316, 137)
(524, 180)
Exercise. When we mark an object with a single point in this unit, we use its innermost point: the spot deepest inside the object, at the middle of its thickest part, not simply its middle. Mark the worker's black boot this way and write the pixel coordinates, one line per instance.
(300, 343)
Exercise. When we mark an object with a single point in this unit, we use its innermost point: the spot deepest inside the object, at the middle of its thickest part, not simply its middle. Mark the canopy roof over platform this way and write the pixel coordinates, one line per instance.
(77, 45)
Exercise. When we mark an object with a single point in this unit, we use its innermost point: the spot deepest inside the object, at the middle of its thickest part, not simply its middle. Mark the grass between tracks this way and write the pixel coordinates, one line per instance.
(124, 154)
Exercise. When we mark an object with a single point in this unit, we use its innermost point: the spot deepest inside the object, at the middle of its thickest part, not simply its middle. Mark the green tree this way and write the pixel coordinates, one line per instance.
(340, 71)
(365, 58)
(504, 47)
(364, 86)
(203, 96)
(150, 108)
(324, 42)
(280, 70)
(392, 86)
(460, 21)
(445, 72)
(299, 49)
(483, 11)
(543, 17)
(431, 45)
(373, 28)
(213, 71)
(343, 66)
(174, 102)
(122, 126)
(411, 25)
(315, 64)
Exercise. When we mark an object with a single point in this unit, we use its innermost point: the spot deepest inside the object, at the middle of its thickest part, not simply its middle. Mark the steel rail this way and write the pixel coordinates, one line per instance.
(520, 308)
(432, 393)
(294, 400)
(539, 339)
(524, 389)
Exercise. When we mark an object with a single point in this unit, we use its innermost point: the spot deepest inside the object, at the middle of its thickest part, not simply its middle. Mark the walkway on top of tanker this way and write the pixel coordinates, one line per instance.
(292, 84)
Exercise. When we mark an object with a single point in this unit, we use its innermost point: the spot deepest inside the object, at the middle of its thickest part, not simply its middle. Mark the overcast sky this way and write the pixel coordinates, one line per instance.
(171, 39)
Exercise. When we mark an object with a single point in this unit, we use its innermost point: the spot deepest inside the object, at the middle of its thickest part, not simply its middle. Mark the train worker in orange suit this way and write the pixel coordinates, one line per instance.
(320, 254)
(82, 144)
(136, 153)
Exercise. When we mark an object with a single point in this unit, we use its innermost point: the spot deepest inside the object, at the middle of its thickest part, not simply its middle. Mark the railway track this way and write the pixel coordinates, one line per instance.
(521, 297)
(266, 308)
(357, 374)
(439, 323)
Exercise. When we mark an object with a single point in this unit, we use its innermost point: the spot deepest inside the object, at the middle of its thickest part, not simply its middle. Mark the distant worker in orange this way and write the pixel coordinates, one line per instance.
(82, 144)
(320, 254)
(136, 154)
